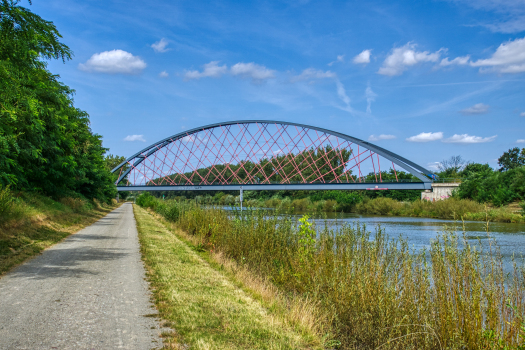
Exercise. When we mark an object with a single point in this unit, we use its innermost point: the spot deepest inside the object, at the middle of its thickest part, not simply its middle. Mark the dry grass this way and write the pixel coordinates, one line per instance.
(207, 310)
(37, 222)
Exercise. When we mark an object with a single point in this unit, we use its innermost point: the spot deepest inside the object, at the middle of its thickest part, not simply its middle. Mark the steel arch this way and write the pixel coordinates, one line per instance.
(424, 175)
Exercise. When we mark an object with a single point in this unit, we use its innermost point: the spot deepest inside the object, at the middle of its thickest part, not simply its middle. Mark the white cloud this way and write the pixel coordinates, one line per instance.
(188, 139)
(251, 70)
(160, 46)
(478, 108)
(466, 138)
(340, 58)
(341, 92)
(508, 58)
(133, 138)
(363, 57)
(163, 74)
(311, 73)
(433, 165)
(381, 137)
(522, 114)
(460, 61)
(370, 97)
(212, 70)
(520, 141)
(403, 57)
(115, 61)
(426, 137)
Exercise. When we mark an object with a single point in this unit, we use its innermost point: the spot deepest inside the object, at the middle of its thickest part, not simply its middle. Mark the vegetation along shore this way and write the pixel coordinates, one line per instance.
(371, 290)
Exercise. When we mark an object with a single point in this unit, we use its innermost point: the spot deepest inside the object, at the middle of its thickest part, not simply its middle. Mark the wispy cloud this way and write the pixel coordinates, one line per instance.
(363, 57)
(508, 58)
(522, 114)
(210, 70)
(401, 58)
(370, 97)
(381, 137)
(520, 141)
(460, 61)
(340, 58)
(163, 74)
(113, 62)
(478, 108)
(511, 14)
(311, 74)
(160, 46)
(341, 92)
(133, 138)
(466, 138)
(426, 137)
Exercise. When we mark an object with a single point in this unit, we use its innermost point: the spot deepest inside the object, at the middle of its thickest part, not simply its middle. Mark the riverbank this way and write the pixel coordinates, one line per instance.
(30, 223)
(379, 293)
(213, 303)
(451, 208)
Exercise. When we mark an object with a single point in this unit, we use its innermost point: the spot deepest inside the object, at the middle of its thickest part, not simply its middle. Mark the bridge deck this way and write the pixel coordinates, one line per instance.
(290, 187)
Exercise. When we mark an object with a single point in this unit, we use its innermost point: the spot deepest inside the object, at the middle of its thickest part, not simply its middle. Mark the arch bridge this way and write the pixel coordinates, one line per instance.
(267, 155)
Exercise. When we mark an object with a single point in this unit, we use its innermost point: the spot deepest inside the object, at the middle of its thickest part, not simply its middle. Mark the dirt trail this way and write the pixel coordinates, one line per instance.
(87, 292)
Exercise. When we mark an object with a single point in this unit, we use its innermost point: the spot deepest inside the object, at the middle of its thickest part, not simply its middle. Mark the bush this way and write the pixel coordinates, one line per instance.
(170, 210)
(146, 200)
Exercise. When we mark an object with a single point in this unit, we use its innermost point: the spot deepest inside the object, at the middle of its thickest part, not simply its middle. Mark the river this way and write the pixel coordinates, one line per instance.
(419, 232)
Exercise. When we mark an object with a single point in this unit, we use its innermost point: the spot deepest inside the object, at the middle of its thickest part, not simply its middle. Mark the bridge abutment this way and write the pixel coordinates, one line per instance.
(439, 191)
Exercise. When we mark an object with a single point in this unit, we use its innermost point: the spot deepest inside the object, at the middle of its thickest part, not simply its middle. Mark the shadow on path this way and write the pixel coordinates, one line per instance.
(68, 263)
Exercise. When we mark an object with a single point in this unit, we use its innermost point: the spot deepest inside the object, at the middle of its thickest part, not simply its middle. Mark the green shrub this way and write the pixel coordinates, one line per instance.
(169, 209)
(146, 200)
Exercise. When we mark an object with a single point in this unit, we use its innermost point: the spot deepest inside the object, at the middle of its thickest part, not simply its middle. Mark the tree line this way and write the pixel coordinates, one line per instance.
(484, 184)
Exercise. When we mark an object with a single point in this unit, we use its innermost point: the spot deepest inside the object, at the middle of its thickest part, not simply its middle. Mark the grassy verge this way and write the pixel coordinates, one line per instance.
(379, 293)
(210, 301)
(30, 223)
(451, 208)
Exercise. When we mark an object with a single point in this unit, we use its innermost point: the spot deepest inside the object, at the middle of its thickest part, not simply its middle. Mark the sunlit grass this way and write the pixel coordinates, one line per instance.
(204, 307)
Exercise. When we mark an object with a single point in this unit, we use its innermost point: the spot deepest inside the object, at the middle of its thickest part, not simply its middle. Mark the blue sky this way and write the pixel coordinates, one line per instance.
(425, 79)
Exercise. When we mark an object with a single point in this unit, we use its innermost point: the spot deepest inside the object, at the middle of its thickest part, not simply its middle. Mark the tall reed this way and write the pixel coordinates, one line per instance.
(382, 295)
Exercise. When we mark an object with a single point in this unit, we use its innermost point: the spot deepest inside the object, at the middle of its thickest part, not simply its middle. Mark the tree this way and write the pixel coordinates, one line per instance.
(452, 166)
(46, 143)
(474, 168)
(511, 159)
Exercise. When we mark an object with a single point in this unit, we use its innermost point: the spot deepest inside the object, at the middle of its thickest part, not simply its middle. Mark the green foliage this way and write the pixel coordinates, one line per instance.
(498, 188)
(512, 159)
(46, 143)
(146, 200)
(169, 209)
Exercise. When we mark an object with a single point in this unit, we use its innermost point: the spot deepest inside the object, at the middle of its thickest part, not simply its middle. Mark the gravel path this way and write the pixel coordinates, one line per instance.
(87, 292)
